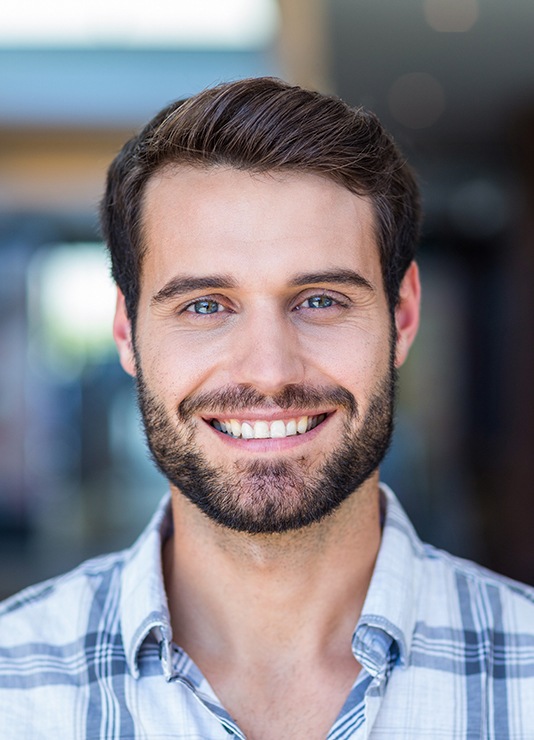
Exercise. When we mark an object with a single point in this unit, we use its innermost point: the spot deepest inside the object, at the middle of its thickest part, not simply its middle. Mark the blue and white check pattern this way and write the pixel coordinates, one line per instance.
(447, 651)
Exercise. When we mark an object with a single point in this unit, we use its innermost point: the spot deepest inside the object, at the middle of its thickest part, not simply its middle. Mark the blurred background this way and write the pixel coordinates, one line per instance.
(452, 79)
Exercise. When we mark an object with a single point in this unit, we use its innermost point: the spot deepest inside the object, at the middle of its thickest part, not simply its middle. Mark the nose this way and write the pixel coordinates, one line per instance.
(267, 353)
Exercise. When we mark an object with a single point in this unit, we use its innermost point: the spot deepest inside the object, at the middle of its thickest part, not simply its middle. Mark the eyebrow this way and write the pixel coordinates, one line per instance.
(341, 277)
(179, 286)
(185, 284)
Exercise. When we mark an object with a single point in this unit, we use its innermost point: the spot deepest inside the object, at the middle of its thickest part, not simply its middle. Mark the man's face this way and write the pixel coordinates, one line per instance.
(263, 345)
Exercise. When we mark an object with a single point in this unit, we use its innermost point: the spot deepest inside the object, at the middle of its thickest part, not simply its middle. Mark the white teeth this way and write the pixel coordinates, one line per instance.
(277, 429)
(247, 432)
(261, 430)
(302, 425)
(291, 428)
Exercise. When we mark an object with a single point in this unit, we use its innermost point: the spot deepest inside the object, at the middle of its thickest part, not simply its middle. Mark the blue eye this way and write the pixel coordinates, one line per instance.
(319, 301)
(204, 306)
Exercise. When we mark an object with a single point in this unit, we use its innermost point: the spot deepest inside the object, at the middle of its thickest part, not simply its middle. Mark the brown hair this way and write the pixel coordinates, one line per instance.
(260, 125)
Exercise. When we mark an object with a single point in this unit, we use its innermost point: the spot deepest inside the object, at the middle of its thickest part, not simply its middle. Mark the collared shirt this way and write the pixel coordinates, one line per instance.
(446, 649)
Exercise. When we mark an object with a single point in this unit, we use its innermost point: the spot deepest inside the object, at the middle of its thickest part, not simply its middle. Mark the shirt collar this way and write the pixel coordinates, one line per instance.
(388, 617)
(143, 601)
(389, 613)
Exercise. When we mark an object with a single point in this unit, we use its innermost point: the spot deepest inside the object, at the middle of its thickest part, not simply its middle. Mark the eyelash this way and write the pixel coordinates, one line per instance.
(189, 308)
(336, 302)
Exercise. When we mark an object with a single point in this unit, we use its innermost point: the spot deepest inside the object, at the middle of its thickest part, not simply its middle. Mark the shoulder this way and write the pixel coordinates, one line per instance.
(445, 590)
(443, 605)
(474, 584)
(54, 637)
(61, 608)
(467, 610)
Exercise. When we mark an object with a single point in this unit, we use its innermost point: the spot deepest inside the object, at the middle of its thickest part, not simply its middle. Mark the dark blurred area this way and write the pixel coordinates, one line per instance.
(453, 80)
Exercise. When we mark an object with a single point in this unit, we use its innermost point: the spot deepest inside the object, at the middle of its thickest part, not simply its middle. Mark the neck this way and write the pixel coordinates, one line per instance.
(301, 590)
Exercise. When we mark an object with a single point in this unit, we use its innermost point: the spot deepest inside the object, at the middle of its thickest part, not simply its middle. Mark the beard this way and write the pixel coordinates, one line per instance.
(268, 496)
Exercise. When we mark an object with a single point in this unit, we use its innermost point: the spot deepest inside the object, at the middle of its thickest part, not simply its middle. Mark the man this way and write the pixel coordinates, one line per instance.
(262, 240)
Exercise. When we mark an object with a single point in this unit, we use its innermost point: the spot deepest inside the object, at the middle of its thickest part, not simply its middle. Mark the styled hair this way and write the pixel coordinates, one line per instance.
(264, 125)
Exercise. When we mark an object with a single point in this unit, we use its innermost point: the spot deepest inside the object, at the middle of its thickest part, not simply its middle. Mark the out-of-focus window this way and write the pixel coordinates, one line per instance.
(71, 298)
(160, 23)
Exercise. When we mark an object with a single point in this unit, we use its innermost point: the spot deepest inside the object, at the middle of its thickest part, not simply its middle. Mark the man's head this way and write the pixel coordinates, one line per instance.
(267, 294)
(264, 125)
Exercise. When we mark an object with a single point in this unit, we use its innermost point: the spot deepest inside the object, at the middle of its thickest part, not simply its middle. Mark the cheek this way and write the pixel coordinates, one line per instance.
(173, 368)
(352, 359)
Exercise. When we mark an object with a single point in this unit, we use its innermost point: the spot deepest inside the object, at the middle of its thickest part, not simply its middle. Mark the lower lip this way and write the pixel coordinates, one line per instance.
(278, 444)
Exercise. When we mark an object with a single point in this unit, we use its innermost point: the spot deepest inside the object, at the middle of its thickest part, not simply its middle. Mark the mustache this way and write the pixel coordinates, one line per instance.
(243, 397)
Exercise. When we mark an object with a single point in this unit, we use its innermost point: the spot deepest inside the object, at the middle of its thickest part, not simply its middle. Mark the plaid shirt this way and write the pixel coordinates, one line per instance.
(447, 651)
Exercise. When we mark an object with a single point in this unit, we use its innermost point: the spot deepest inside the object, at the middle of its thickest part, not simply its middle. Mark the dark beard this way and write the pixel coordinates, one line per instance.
(271, 496)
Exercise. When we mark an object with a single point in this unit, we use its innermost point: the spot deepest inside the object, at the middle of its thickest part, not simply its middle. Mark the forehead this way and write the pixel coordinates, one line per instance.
(192, 216)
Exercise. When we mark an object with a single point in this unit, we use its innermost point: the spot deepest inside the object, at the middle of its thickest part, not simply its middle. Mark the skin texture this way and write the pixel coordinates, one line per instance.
(301, 326)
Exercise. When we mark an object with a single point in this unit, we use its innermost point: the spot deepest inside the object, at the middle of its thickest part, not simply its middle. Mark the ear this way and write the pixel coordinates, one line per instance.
(407, 313)
(122, 334)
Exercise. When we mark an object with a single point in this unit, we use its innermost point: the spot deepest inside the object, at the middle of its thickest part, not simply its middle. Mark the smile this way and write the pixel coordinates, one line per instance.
(260, 429)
